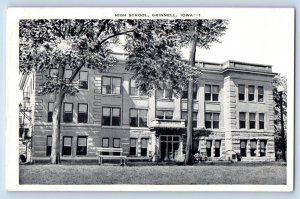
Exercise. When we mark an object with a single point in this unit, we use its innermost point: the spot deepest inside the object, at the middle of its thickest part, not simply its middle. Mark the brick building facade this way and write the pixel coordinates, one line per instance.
(233, 113)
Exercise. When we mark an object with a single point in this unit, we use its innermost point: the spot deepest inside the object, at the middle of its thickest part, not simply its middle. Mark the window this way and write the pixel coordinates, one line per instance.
(82, 113)
(68, 113)
(211, 93)
(68, 74)
(261, 121)
(184, 115)
(116, 144)
(67, 145)
(132, 150)
(105, 144)
(208, 148)
(144, 143)
(81, 145)
(212, 120)
(217, 148)
(165, 93)
(134, 90)
(251, 93)
(242, 120)
(243, 148)
(53, 72)
(260, 96)
(111, 116)
(83, 80)
(164, 114)
(185, 92)
(111, 85)
(252, 120)
(242, 92)
(50, 111)
(138, 117)
(49, 145)
(263, 144)
(253, 148)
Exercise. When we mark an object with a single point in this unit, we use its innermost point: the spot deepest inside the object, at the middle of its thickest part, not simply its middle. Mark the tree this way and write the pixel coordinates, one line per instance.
(61, 44)
(157, 61)
(280, 140)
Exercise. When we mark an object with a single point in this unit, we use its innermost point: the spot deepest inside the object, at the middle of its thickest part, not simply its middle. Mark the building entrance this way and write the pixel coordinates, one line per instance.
(169, 145)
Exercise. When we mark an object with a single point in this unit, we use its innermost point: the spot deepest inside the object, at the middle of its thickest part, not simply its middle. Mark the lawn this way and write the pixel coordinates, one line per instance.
(210, 174)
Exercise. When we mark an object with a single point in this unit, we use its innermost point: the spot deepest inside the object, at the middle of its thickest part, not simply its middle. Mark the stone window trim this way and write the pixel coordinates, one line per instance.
(252, 120)
(261, 121)
(112, 86)
(260, 94)
(184, 115)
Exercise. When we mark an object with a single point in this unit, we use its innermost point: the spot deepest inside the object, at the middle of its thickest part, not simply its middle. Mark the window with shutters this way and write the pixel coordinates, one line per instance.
(81, 145)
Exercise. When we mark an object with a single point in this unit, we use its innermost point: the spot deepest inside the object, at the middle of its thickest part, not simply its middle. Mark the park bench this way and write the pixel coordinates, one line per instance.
(111, 153)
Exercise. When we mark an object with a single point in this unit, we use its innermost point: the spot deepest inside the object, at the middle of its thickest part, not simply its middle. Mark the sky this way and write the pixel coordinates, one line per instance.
(263, 38)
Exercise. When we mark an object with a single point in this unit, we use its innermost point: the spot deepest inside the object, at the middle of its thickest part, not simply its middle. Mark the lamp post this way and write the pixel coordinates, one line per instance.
(280, 91)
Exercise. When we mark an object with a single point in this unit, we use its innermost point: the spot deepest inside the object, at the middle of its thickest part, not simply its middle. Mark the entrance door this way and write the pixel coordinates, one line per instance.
(169, 145)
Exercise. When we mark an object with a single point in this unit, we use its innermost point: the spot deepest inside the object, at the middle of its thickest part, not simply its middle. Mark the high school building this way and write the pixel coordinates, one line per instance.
(233, 113)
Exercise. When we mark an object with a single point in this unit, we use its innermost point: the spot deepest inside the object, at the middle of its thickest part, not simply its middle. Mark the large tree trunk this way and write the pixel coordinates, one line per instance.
(56, 119)
(189, 143)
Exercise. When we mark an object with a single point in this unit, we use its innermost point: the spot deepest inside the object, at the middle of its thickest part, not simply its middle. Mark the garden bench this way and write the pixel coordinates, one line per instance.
(108, 153)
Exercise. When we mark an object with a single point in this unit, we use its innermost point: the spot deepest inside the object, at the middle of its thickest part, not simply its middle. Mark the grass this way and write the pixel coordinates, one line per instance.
(210, 174)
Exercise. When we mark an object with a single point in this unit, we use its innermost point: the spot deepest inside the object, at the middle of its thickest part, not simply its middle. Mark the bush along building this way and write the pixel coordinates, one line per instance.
(233, 113)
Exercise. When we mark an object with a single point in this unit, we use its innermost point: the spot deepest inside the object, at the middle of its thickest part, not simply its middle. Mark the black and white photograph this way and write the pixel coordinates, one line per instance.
(132, 99)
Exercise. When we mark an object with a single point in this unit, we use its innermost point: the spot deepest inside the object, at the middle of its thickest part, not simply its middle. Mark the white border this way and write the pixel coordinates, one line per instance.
(12, 166)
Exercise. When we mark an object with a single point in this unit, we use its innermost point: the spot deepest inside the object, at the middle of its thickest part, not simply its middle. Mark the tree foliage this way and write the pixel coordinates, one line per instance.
(280, 80)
